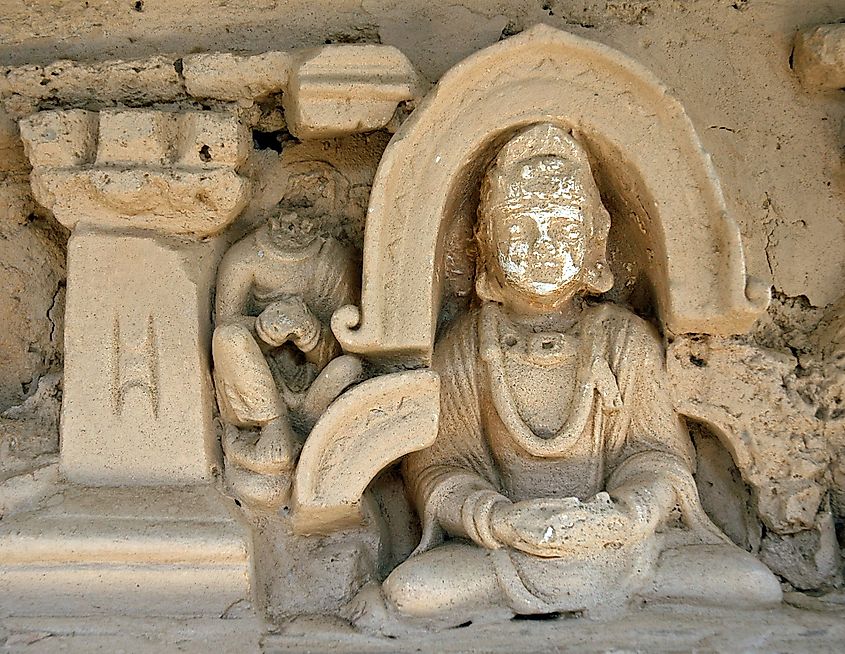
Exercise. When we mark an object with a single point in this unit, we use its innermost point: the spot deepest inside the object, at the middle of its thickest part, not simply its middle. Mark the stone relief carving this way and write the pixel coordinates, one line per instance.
(559, 460)
(277, 365)
(489, 345)
(645, 148)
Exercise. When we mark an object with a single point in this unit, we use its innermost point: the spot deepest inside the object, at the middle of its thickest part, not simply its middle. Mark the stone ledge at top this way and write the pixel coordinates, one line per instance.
(331, 90)
(227, 76)
(72, 83)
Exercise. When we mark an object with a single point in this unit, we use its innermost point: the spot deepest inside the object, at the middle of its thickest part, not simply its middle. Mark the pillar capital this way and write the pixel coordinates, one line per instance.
(174, 172)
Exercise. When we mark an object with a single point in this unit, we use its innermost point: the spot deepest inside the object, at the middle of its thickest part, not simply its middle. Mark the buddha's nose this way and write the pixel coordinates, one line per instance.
(544, 247)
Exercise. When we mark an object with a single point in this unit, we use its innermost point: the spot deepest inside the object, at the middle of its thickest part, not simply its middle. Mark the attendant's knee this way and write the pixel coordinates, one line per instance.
(230, 338)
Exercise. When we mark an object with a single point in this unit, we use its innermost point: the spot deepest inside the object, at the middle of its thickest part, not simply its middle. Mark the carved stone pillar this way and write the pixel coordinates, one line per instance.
(139, 526)
(138, 400)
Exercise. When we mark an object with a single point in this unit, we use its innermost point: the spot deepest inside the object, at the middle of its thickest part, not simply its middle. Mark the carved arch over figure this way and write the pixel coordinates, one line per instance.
(645, 148)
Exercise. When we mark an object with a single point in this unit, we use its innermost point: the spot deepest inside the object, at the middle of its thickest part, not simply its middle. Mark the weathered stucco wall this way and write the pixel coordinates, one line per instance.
(777, 147)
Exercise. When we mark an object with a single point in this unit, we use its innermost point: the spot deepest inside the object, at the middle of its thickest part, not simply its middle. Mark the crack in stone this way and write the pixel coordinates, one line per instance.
(50, 310)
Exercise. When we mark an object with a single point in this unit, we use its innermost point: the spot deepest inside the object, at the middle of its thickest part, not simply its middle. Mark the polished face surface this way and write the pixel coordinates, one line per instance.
(539, 226)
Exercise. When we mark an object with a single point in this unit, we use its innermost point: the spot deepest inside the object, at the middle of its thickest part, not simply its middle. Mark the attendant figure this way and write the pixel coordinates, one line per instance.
(277, 365)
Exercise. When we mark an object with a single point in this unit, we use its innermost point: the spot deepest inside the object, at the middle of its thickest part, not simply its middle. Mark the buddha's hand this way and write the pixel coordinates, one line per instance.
(555, 528)
(286, 320)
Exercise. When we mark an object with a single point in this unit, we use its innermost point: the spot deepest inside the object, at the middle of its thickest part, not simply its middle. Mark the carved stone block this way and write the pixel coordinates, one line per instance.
(142, 552)
(477, 416)
(339, 90)
(210, 140)
(60, 139)
(138, 401)
(129, 82)
(234, 77)
(364, 431)
(172, 172)
(130, 138)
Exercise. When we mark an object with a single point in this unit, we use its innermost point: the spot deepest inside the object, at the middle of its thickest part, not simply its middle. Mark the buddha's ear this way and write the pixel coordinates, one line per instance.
(487, 287)
(597, 277)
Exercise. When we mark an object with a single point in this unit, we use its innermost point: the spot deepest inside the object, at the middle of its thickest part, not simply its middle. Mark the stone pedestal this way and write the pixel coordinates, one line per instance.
(162, 551)
(138, 529)
(135, 186)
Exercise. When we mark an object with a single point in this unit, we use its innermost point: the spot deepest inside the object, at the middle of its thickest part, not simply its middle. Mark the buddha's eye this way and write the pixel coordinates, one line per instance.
(523, 228)
(567, 228)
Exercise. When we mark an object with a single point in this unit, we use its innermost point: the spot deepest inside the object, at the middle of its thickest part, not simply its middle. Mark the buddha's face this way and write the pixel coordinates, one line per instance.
(538, 228)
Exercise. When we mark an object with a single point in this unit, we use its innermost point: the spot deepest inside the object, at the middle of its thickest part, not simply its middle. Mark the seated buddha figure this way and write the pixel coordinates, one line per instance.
(561, 479)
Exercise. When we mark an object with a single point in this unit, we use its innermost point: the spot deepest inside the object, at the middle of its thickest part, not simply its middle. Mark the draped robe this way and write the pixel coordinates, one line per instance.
(616, 422)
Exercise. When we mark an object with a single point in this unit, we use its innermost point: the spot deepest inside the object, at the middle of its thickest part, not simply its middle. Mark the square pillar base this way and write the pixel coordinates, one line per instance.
(143, 551)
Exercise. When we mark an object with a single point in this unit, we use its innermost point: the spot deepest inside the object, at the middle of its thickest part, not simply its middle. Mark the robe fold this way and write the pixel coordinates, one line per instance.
(618, 423)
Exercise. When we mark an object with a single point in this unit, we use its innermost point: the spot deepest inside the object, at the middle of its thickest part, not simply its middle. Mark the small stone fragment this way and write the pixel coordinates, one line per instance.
(338, 90)
(819, 57)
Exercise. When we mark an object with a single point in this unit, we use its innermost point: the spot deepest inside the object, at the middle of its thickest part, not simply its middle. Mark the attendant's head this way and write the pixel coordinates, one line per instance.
(291, 231)
(542, 228)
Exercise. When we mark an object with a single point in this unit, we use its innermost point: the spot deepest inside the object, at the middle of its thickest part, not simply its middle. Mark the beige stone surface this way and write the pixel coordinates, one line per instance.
(338, 90)
(60, 139)
(121, 551)
(774, 415)
(151, 102)
(138, 403)
(29, 431)
(145, 169)
(652, 630)
(738, 57)
(67, 81)
(230, 634)
(326, 92)
(772, 434)
(629, 123)
(364, 431)
(229, 76)
(32, 280)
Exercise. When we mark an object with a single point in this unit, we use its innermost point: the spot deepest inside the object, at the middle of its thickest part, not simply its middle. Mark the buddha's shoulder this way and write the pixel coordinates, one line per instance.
(459, 337)
(617, 321)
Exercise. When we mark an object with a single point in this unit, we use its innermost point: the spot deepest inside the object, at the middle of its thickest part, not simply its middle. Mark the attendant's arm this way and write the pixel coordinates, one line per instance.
(325, 349)
(338, 285)
(234, 286)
